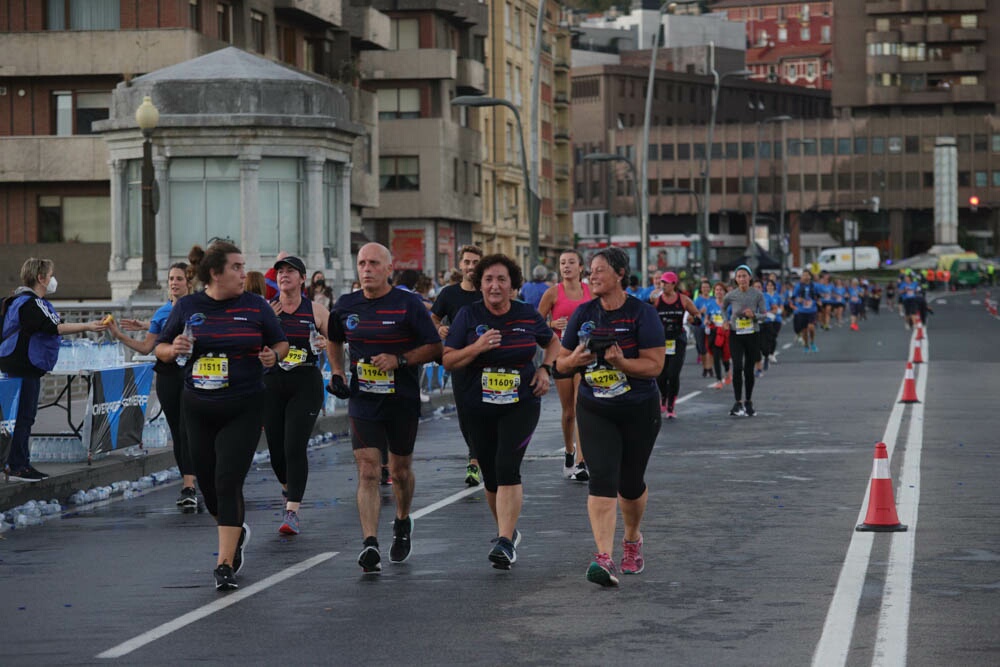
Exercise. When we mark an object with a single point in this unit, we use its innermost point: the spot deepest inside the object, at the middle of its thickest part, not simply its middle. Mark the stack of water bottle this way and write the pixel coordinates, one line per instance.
(156, 433)
(78, 354)
(31, 513)
(58, 449)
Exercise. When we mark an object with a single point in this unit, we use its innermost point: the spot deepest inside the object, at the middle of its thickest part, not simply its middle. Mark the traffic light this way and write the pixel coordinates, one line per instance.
(974, 203)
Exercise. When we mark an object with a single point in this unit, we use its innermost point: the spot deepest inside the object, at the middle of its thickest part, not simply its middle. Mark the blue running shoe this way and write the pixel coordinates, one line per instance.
(290, 526)
(503, 554)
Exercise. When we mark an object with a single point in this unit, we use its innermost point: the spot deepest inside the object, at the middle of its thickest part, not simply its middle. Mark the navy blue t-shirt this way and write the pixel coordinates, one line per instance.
(489, 383)
(231, 333)
(297, 329)
(392, 324)
(635, 326)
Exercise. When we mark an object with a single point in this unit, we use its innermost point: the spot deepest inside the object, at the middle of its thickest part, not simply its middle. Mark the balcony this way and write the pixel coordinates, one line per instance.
(561, 134)
(368, 25)
(409, 64)
(876, 7)
(912, 5)
(956, 5)
(882, 95)
(968, 35)
(48, 158)
(471, 78)
(939, 32)
(311, 10)
(968, 62)
(562, 206)
(913, 33)
(562, 172)
(99, 52)
(561, 64)
(560, 100)
(882, 65)
(928, 96)
(968, 94)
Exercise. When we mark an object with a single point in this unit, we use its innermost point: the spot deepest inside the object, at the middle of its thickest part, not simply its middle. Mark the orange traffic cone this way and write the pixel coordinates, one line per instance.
(909, 386)
(881, 517)
(918, 355)
(920, 331)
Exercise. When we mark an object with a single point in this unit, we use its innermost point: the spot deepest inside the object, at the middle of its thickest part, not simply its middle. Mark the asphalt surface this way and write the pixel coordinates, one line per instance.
(747, 535)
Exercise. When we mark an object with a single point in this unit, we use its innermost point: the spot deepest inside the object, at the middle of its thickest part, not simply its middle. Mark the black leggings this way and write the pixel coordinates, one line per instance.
(293, 401)
(769, 337)
(617, 441)
(169, 387)
(746, 352)
(500, 440)
(222, 438)
(718, 352)
(669, 380)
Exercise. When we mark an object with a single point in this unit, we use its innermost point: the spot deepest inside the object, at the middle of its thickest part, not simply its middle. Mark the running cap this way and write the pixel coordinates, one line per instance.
(293, 262)
(668, 277)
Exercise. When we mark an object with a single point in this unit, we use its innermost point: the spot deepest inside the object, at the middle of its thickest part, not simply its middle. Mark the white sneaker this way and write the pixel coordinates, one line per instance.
(772, 359)
(569, 463)
(425, 398)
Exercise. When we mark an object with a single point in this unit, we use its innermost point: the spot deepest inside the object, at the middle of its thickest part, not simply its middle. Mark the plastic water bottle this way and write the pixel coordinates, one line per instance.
(315, 339)
(182, 359)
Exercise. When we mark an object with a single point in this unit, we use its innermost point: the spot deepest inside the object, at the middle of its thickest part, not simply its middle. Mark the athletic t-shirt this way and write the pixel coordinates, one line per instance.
(564, 306)
(804, 298)
(672, 318)
(770, 302)
(297, 328)
(451, 299)
(635, 326)
(501, 376)
(824, 291)
(391, 324)
(228, 336)
(531, 293)
(156, 324)
(700, 302)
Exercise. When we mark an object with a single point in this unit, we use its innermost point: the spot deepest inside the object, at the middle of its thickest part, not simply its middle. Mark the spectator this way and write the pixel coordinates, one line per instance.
(531, 293)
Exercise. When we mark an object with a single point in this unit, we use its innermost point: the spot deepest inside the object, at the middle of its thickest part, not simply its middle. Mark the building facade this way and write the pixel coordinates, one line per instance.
(61, 61)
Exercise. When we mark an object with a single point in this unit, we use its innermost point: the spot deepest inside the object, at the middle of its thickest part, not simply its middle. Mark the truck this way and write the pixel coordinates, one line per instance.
(964, 268)
(860, 258)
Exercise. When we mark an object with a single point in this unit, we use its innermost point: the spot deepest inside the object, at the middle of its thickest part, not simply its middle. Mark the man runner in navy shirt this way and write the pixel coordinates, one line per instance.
(390, 334)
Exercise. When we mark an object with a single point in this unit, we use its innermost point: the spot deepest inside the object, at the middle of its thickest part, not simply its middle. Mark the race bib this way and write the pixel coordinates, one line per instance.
(295, 357)
(744, 325)
(671, 347)
(607, 382)
(500, 386)
(374, 381)
(210, 373)
(718, 320)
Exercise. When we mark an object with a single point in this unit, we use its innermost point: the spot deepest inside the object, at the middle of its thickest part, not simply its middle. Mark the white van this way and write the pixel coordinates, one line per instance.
(839, 259)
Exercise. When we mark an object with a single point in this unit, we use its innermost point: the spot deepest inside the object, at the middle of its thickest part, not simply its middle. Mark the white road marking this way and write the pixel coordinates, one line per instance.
(686, 397)
(218, 605)
(786, 346)
(192, 616)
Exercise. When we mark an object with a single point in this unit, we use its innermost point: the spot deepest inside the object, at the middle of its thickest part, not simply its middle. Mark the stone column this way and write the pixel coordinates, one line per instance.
(312, 241)
(162, 220)
(945, 191)
(346, 274)
(250, 208)
(119, 215)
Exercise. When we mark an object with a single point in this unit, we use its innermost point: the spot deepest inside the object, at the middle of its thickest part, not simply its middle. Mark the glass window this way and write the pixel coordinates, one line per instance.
(843, 146)
(809, 147)
(224, 21)
(895, 144)
(666, 151)
(732, 150)
(804, 34)
(765, 150)
(995, 143)
(405, 34)
(996, 179)
(204, 202)
(826, 146)
(861, 145)
(83, 15)
(825, 34)
(653, 152)
(843, 181)
(964, 143)
(258, 32)
(684, 151)
(332, 220)
(794, 147)
(748, 149)
(861, 180)
(878, 145)
(809, 182)
(699, 151)
(64, 113)
(86, 219)
(399, 173)
(912, 180)
(280, 199)
(826, 182)
(970, 21)
(981, 179)
(964, 180)
(912, 144)
(396, 103)
(928, 179)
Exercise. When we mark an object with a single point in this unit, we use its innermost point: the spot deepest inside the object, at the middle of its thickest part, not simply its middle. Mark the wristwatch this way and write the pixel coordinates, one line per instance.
(548, 368)
(400, 361)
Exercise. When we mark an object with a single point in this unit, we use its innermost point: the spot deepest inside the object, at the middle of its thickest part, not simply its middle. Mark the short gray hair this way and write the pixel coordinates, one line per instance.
(539, 272)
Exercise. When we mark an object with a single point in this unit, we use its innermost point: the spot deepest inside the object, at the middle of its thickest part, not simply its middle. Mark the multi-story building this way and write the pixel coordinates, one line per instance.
(510, 60)
(60, 62)
(430, 164)
(787, 42)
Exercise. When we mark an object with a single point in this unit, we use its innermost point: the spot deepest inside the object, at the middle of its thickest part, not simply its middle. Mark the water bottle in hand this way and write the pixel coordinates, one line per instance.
(315, 340)
(182, 359)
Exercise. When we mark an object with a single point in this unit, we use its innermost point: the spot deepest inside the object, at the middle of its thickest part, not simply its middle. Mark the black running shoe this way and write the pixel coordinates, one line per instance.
(737, 410)
(28, 474)
(188, 498)
(748, 409)
(580, 473)
(240, 546)
(503, 554)
(225, 578)
(401, 531)
(370, 559)
(569, 463)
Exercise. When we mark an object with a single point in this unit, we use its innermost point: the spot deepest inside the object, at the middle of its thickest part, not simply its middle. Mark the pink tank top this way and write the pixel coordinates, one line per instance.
(564, 306)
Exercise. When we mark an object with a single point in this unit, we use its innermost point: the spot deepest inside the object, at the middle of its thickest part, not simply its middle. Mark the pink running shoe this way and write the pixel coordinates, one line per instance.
(632, 562)
(602, 571)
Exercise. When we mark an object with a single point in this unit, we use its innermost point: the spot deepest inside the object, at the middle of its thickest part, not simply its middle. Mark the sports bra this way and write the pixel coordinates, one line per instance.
(564, 306)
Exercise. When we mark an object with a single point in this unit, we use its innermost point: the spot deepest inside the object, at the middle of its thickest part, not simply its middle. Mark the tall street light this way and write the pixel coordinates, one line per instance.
(613, 157)
(147, 116)
(756, 171)
(533, 202)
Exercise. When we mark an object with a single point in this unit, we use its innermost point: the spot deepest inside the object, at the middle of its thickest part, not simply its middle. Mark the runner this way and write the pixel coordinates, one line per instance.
(294, 387)
(169, 378)
(718, 336)
(451, 299)
(771, 327)
(235, 336)
(839, 301)
(856, 299)
(700, 339)
(824, 292)
(804, 303)
(671, 307)
(908, 299)
(746, 307)
(495, 340)
(617, 341)
(389, 334)
(557, 304)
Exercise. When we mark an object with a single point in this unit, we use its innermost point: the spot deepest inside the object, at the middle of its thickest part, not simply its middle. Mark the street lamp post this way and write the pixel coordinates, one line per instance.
(716, 83)
(147, 116)
(756, 176)
(533, 202)
(613, 157)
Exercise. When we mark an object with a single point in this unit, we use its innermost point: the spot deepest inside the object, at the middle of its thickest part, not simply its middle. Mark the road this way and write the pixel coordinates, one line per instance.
(751, 553)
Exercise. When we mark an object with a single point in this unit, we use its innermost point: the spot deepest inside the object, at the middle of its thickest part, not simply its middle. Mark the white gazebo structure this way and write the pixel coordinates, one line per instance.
(245, 149)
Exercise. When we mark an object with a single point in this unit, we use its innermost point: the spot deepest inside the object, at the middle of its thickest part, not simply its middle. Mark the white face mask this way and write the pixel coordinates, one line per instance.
(51, 287)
